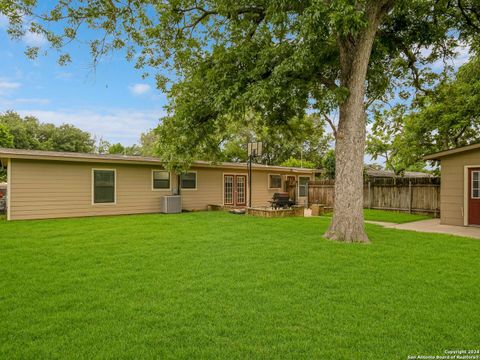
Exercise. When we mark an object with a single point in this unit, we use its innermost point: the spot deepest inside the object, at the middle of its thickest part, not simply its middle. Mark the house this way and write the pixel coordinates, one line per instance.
(46, 184)
(460, 185)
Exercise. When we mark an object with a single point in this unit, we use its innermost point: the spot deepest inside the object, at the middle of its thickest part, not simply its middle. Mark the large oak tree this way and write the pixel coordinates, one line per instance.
(277, 58)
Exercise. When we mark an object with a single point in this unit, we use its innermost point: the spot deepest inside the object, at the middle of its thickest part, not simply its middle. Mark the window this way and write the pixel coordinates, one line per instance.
(103, 186)
(161, 179)
(274, 181)
(303, 186)
(475, 184)
(189, 180)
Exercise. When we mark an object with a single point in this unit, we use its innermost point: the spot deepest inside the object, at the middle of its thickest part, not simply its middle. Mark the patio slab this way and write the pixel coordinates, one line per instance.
(434, 226)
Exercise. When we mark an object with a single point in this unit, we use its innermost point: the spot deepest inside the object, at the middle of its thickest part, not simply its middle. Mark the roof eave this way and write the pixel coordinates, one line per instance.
(432, 157)
(242, 166)
(81, 159)
(439, 155)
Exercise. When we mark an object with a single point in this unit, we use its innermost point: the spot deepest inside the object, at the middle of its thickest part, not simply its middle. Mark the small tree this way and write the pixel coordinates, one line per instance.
(6, 141)
(6, 138)
(292, 162)
(328, 165)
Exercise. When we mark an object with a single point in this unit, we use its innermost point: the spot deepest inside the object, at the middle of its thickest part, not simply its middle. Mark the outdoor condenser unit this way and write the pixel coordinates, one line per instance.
(171, 204)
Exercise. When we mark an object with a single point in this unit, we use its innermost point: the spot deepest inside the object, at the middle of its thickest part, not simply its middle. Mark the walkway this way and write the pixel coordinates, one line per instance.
(433, 226)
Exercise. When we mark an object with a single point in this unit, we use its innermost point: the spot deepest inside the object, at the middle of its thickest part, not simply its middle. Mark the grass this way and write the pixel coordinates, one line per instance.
(396, 217)
(215, 285)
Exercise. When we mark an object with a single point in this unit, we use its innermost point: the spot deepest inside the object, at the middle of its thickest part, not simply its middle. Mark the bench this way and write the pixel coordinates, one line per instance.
(281, 200)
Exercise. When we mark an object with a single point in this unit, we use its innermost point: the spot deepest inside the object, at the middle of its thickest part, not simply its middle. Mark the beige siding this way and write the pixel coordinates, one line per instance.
(452, 185)
(42, 189)
(261, 193)
(209, 190)
(54, 189)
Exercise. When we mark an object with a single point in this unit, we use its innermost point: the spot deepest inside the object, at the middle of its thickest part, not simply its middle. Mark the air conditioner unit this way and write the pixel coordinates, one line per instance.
(171, 204)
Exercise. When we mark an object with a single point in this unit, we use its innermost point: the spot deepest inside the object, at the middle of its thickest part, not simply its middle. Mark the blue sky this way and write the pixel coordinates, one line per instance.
(112, 102)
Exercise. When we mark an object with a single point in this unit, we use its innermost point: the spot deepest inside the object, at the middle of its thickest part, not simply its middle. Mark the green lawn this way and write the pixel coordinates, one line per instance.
(216, 285)
(390, 216)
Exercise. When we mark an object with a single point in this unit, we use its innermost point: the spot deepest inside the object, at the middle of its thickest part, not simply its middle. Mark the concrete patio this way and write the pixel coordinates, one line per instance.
(433, 226)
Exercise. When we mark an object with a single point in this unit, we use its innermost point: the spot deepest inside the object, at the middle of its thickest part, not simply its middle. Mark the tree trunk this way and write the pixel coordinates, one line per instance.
(348, 222)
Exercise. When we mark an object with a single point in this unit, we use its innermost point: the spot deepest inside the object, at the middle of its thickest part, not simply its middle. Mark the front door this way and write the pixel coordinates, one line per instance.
(235, 190)
(474, 196)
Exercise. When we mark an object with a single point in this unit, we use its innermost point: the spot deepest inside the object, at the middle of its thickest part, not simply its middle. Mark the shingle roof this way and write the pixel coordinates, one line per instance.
(389, 173)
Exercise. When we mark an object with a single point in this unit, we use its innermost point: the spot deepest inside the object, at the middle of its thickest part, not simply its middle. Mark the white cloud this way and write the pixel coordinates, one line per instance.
(462, 55)
(63, 75)
(39, 101)
(113, 125)
(139, 89)
(14, 103)
(34, 39)
(8, 86)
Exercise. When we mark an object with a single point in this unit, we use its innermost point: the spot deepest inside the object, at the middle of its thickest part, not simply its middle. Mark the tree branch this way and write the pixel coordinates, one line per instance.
(459, 134)
(332, 125)
(205, 13)
(412, 59)
(467, 17)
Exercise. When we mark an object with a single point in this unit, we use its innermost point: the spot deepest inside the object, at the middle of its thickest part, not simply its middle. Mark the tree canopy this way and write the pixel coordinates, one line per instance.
(445, 117)
(220, 60)
(300, 138)
(29, 133)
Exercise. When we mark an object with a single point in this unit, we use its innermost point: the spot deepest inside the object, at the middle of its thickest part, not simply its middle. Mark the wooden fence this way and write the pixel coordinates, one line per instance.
(414, 195)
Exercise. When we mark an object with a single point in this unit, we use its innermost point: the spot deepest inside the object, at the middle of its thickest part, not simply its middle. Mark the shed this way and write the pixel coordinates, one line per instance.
(460, 185)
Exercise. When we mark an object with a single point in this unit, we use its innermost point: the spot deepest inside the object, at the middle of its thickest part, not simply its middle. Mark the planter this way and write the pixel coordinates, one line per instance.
(317, 209)
(272, 213)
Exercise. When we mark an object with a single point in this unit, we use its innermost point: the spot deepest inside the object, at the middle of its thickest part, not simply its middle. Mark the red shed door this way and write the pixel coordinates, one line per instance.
(474, 196)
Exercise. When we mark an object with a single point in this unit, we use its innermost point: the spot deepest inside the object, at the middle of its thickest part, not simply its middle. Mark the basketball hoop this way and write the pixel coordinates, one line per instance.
(254, 149)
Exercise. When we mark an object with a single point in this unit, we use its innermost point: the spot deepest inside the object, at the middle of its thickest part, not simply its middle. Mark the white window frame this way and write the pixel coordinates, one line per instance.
(305, 177)
(471, 185)
(269, 183)
(169, 180)
(114, 187)
(196, 181)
